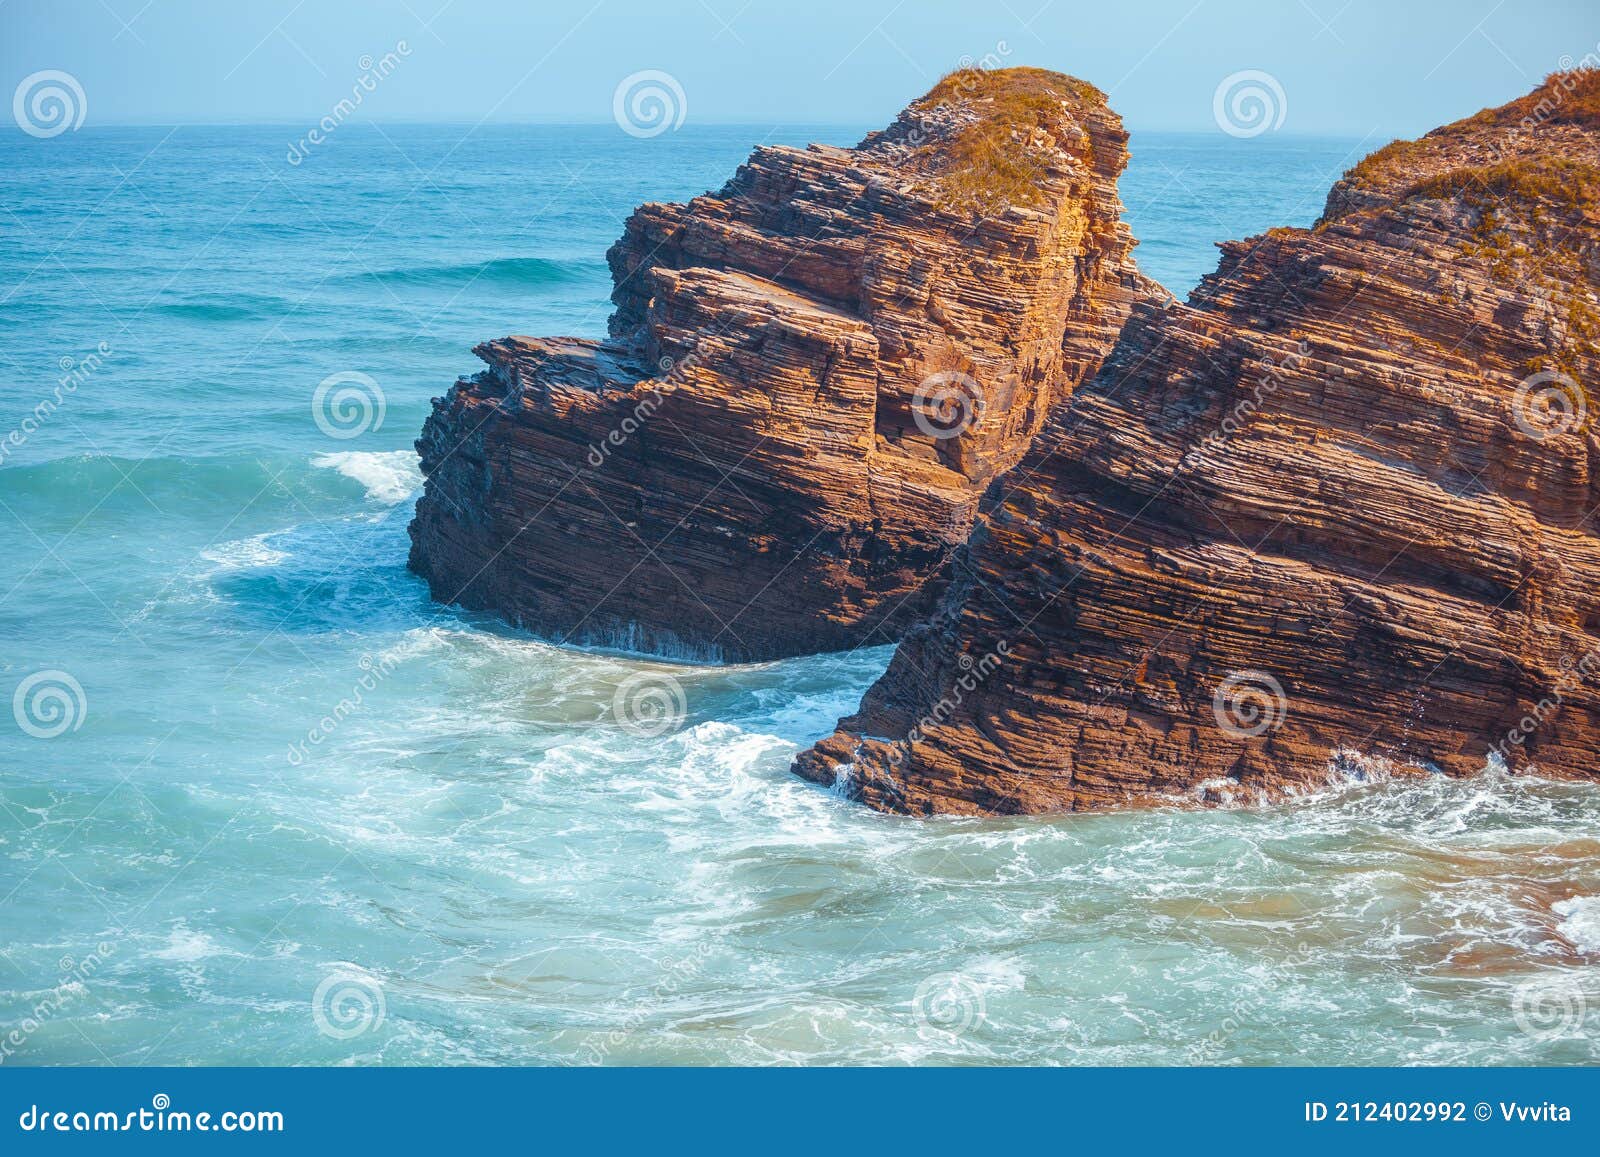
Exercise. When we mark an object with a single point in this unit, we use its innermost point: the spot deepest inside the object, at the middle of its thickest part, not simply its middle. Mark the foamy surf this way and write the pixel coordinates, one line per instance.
(1580, 924)
(245, 553)
(389, 476)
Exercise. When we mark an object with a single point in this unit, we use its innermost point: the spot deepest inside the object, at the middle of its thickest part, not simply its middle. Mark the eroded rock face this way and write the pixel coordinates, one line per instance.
(811, 377)
(1342, 501)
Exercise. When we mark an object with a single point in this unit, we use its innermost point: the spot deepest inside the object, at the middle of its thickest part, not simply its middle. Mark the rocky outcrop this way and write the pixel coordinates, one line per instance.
(811, 377)
(1338, 509)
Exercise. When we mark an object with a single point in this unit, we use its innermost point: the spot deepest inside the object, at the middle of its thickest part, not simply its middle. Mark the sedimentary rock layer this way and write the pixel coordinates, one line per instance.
(811, 377)
(1342, 502)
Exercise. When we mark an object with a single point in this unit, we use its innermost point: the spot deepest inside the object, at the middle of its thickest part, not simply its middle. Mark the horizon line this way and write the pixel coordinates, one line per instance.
(854, 126)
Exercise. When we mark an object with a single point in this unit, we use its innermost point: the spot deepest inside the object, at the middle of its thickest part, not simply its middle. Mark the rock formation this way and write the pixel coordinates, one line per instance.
(810, 379)
(1341, 503)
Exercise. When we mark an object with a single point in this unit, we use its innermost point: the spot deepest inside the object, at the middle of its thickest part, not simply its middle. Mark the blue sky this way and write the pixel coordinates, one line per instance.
(1355, 68)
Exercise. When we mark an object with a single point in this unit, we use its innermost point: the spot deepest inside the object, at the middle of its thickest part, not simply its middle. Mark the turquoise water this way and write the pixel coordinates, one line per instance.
(296, 813)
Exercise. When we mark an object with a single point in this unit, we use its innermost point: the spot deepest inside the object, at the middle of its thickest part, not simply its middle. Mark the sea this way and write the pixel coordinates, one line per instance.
(262, 802)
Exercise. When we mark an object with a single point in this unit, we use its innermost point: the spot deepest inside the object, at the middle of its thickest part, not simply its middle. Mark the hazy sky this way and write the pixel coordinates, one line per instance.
(1384, 66)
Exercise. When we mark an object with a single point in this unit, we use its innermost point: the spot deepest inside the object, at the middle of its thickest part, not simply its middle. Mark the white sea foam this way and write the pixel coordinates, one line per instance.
(1581, 922)
(245, 553)
(185, 946)
(390, 476)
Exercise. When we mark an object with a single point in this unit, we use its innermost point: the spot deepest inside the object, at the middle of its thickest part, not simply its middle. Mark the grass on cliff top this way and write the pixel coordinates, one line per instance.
(1570, 97)
(1532, 206)
(1529, 211)
(985, 162)
(1519, 183)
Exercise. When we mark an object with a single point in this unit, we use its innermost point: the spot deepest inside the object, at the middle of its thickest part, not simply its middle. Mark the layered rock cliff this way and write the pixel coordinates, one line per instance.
(1342, 503)
(810, 379)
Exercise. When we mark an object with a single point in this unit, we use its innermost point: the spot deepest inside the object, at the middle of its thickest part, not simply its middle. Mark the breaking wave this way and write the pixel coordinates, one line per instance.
(388, 476)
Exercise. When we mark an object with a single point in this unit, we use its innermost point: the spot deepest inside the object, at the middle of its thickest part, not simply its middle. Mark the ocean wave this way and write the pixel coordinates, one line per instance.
(225, 307)
(1580, 924)
(339, 575)
(231, 479)
(389, 476)
(502, 271)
